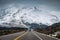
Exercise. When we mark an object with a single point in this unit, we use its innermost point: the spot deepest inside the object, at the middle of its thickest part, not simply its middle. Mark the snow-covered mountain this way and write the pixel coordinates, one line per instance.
(14, 17)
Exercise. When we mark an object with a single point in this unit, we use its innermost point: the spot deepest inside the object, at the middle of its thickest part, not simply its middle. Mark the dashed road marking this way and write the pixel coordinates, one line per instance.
(37, 36)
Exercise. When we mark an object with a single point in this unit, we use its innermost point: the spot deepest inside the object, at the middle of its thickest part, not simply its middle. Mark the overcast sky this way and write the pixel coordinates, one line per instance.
(47, 6)
(53, 4)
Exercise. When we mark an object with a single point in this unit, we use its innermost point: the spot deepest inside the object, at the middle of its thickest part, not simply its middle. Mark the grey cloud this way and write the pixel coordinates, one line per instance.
(52, 4)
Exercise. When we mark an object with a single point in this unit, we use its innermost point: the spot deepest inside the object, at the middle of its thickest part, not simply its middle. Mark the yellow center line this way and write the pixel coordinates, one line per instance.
(20, 36)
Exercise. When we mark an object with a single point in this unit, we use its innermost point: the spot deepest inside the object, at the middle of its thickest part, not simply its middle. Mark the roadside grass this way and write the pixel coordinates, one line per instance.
(6, 32)
(58, 35)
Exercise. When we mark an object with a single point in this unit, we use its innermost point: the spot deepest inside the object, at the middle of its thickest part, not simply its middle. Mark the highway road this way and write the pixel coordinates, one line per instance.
(29, 35)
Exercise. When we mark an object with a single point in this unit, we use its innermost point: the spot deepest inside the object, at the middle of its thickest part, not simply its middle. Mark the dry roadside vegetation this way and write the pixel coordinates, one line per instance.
(5, 30)
(50, 30)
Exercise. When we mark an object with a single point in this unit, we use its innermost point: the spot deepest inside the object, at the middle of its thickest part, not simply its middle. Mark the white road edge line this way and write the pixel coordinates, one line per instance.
(37, 36)
(49, 36)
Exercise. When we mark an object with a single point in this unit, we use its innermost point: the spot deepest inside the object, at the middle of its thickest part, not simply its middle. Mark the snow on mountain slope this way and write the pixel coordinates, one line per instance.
(15, 16)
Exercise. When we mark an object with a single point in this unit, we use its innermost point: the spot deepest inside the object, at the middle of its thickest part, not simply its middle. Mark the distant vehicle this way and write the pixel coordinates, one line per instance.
(29, 30)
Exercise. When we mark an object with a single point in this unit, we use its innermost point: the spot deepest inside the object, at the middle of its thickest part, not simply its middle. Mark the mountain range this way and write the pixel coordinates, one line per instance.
(32, 16)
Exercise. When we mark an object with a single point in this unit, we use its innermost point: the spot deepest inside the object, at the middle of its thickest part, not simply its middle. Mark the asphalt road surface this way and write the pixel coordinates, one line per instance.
(29, 35)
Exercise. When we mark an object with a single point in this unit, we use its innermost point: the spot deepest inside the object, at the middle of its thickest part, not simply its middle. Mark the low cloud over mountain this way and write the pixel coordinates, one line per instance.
(17, 16)
(19, 13)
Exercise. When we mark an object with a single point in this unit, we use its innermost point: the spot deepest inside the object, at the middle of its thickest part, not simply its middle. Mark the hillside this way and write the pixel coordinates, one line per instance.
(52, 29)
